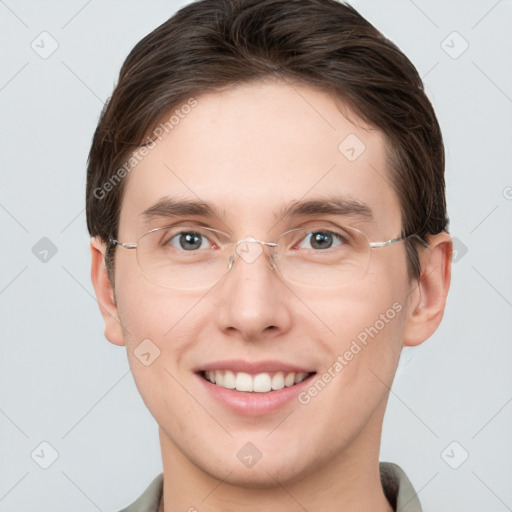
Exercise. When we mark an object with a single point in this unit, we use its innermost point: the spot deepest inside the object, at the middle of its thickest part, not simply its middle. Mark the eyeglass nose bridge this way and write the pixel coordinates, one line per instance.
(249, 249)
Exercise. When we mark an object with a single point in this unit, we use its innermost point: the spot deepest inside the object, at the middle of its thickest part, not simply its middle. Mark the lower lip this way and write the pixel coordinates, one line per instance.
(253, 403)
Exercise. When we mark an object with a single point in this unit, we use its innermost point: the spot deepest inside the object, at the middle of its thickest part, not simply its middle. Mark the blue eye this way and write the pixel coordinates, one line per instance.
(189, 241)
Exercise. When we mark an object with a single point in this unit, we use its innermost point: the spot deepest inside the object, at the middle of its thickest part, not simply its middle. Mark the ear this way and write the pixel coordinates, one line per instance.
(427, 298)
(105, 293)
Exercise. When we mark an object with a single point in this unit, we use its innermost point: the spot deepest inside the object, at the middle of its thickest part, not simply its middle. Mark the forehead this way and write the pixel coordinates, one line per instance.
(253, 149)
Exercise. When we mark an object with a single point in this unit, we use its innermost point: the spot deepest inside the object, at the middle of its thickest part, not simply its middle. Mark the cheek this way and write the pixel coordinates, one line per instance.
(145, 309)
(362, 353)
(161, 328)
(159, 314)
(366, 324)
(369, 320)
(173, 321)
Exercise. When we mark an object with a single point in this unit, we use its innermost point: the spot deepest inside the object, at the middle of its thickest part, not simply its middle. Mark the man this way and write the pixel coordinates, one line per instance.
(266, 206)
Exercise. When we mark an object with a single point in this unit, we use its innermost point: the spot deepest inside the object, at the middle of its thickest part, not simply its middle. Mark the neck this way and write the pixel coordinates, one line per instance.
(348, 481)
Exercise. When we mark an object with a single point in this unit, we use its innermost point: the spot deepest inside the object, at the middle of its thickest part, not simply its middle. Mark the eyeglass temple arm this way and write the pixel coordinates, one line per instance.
(247, 239)
(251, 239)
(401, 239)
(126, 246)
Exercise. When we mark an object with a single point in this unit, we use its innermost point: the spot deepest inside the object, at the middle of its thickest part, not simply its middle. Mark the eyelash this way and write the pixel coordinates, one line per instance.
(342, 239)
(335, 235)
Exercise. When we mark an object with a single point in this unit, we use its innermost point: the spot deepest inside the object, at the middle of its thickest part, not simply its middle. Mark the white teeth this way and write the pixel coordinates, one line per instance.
(289, 380)
(278, 380)
(300, 377)
(260, 383)
(229, 379)
(243, 382)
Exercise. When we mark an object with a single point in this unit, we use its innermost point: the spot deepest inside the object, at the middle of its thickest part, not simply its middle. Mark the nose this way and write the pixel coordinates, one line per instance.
(254, 302)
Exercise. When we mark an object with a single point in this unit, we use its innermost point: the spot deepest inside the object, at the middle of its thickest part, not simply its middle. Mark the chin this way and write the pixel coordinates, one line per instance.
(261, 476)
(270, 470)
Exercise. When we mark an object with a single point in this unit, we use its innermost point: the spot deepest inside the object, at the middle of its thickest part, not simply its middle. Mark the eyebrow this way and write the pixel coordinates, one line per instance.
(167, 207)
(331, 205)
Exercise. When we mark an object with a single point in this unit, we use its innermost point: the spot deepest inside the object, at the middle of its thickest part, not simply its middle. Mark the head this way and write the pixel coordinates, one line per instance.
(246, 108)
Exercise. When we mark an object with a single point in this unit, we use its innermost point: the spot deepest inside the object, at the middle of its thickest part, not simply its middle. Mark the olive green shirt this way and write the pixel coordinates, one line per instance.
(397, 488)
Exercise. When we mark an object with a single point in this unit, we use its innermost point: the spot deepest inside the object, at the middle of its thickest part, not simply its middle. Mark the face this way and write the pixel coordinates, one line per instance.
(250, 152)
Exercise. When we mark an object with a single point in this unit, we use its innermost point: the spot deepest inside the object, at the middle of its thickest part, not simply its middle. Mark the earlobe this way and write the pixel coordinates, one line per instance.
(428, 298)
(105, 293)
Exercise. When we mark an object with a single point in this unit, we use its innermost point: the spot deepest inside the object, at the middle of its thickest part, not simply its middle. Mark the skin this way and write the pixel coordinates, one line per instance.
(252, 150)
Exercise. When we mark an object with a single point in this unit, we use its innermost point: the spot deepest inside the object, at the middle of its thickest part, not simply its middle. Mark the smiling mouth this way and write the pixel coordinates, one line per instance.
(264, 382)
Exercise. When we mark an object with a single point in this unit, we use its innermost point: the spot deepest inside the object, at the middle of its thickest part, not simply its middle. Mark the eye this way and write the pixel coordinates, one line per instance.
(189, 241)
(319, 240)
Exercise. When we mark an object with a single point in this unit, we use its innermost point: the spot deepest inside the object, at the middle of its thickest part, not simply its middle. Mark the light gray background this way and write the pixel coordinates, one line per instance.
(61, 382)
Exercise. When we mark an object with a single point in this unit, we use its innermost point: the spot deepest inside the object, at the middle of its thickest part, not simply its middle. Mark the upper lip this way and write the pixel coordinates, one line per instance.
(255, 367)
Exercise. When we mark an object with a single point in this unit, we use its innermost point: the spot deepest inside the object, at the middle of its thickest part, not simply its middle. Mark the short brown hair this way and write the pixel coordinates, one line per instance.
(211, 44)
